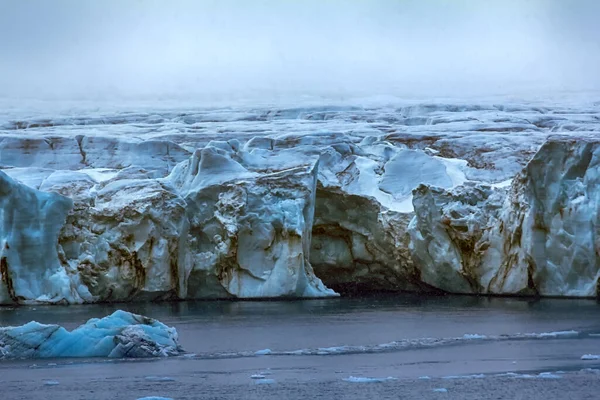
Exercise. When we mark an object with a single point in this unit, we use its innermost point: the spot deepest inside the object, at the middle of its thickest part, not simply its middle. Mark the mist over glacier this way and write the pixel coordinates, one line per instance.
(229, 49)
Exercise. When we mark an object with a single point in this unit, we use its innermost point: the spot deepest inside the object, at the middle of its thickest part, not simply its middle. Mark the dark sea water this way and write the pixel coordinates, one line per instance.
(398, 347)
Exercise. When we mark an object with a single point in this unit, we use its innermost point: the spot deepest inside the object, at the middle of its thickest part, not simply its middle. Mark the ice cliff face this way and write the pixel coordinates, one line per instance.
(542, 236)
(250, 216)
(377, 205)
(29, 261)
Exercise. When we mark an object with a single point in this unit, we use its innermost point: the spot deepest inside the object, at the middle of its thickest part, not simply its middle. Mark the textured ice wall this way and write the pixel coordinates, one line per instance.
(541, 237)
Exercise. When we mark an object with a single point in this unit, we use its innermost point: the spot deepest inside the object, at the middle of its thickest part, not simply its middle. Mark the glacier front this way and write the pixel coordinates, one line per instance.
(479, 198)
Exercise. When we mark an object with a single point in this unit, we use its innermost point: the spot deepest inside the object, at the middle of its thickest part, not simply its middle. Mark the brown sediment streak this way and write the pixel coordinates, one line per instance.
(7, 279)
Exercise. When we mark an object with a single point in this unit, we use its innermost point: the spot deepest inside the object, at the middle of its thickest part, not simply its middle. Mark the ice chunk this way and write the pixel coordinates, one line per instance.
(441, 390)
(588, 357)
(121, 334)
(473, 336)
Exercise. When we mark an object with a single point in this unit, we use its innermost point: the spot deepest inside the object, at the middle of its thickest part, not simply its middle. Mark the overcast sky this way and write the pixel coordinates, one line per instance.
(75, 48)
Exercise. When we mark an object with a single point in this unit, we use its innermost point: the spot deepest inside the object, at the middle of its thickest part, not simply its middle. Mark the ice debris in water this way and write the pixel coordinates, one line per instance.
(515, 375)
(473, 336)
(549, 375)
(264, 381)
(160, 379)
(360, 379)
(400, 345)
(257, 376)
(552, 334)
(441, 390)
(121, 334)
(155, 398)
(475, 376)
(588, 357)
(51, 383)
(542, 375)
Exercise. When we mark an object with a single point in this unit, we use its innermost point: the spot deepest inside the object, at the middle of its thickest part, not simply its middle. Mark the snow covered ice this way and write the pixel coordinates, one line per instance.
(485, 197)
(118, 335)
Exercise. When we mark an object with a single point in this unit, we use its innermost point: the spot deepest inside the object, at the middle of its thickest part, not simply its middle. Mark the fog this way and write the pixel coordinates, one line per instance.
(144, 49)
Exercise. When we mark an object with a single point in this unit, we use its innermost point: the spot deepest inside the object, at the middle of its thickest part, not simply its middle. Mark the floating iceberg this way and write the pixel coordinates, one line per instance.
(119, 335)
(590, 357)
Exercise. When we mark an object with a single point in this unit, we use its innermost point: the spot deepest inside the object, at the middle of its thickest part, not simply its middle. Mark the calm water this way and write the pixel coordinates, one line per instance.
(314, 345)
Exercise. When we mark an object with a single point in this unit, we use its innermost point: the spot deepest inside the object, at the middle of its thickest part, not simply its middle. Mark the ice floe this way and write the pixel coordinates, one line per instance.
(121, 334)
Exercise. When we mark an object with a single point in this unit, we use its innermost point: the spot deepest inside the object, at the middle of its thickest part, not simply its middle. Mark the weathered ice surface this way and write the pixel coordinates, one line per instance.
(359, 234)
(149, 204)
(542, 236)
(250, 219)
(125, 238)
(30, 269)
(118, 335)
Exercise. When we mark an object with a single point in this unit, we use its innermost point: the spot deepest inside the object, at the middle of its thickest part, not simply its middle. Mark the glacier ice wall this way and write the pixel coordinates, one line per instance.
(541, 237)
(430, 197)
(30, 267)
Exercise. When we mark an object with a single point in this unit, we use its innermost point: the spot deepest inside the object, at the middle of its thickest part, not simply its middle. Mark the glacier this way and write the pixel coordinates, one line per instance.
(119, 335)
(306, 201)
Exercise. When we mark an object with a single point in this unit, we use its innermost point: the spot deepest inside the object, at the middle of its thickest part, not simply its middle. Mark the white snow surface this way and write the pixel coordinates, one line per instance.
(119, 335)
(144, 202)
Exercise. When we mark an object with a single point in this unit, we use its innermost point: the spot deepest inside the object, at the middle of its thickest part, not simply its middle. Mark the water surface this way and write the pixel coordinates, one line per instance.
(310, 348)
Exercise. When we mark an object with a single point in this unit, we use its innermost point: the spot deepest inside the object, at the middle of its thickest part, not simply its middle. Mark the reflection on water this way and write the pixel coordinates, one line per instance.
(73, 315)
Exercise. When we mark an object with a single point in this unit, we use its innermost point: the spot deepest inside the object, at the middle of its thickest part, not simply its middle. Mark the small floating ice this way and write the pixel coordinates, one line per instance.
(473, 336)
(475, 376)
(264, 352)
(424, 377)
(51, 383)
(549, 375)
(121, 334)
(155, 398)
(264, 381)
(257, 376)
(588, 357)
(552, 334)
(515, 375)
(159, 378)
(441, 390)
(360, 379)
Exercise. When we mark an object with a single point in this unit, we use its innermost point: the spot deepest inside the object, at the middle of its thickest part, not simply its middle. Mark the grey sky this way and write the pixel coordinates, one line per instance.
(74, 48)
